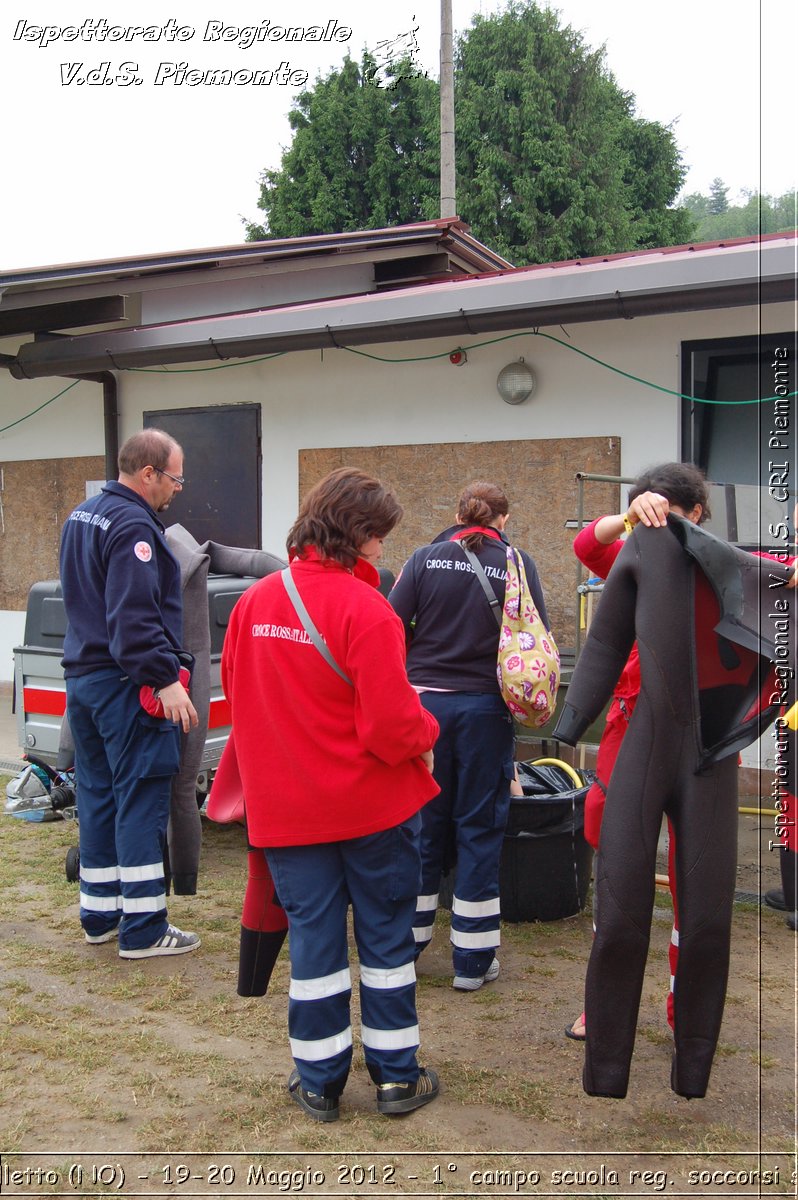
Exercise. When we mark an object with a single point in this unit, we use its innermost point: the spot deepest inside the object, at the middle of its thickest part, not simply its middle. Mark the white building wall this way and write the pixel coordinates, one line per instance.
(12, 633)
(68, 427)
(338, 398)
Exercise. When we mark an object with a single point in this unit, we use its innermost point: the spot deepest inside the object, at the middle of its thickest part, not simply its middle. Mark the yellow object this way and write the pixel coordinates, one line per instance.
(564, 766)
(791, 717)
(628, 523)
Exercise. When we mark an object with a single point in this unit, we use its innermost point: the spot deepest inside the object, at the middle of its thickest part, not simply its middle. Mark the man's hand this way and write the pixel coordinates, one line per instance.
(428, 760)
(177, 706)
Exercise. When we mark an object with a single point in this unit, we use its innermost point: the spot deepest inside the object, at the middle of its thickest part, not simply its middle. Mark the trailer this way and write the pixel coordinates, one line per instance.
(40, 689)
(213, 577)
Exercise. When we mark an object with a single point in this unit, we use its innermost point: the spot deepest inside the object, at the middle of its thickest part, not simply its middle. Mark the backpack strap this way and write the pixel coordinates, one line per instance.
(310, 628)
(479, 571)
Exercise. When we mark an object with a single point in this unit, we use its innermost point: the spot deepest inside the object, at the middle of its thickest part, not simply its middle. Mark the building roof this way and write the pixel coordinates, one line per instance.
(745, 271)
(73, 294)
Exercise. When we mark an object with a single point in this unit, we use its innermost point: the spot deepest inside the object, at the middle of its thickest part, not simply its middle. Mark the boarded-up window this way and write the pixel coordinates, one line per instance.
(538, 477)
(36, 498)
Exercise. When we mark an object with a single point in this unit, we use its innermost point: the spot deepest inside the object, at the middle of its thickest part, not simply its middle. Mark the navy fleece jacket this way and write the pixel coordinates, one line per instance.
(121, 588)
(452, 631)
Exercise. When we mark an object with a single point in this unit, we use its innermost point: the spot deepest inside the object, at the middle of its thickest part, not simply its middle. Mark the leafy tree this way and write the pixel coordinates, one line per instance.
(552, 161)
(696, 205)
(758, 214)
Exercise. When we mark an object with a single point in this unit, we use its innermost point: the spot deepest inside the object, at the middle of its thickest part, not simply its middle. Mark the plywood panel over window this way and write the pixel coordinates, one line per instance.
(538, 477)
(36, 498)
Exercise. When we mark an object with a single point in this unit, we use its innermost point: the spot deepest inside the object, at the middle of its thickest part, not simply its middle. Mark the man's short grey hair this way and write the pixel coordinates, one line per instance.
(148, 448)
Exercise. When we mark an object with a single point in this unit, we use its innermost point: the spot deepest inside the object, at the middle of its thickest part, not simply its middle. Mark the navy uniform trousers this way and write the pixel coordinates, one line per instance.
(467, 820)
(666, 765)
(124, 763)
(379, 876)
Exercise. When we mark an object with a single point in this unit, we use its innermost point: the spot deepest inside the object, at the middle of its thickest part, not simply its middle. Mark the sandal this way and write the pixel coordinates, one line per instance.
(571, 1030)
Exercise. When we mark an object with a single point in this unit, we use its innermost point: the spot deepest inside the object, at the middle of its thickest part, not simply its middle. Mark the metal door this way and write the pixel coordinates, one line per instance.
(221, 499)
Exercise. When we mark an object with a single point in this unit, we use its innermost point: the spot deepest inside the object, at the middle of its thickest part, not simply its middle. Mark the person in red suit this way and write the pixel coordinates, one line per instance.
(695, 606)
(671, 487)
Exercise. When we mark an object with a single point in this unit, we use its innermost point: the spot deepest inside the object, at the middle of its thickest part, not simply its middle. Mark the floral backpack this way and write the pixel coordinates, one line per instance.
(528, 664)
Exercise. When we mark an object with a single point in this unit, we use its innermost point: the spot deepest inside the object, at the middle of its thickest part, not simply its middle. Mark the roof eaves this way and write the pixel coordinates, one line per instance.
(740, 275)
(450, 231)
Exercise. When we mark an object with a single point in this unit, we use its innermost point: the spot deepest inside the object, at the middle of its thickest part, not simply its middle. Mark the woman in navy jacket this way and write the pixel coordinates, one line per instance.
(453, 644)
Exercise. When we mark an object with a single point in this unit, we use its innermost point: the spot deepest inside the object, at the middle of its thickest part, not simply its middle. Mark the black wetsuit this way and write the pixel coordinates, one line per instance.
(699, 705)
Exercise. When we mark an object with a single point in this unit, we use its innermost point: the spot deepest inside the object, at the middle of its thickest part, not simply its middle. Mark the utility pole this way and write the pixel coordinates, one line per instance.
(448, 202)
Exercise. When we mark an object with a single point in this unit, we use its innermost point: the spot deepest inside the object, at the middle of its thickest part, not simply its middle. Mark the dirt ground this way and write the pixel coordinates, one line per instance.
(154, 1077)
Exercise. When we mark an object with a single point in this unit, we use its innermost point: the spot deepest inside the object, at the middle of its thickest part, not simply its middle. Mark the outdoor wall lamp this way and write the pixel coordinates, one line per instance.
(516, 382)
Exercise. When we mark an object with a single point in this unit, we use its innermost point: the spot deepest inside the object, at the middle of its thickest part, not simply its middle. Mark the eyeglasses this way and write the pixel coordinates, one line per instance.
(175, 478)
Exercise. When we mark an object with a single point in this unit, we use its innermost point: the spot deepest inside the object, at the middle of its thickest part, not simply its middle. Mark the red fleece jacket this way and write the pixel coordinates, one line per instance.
(598, 558)
(364, 773)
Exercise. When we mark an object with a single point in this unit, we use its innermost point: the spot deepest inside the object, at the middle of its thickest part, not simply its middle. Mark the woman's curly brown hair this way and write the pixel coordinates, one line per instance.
(341, 512)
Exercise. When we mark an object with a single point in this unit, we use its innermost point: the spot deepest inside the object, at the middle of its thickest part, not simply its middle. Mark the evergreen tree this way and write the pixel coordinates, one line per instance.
(717, 198)
(361, 156)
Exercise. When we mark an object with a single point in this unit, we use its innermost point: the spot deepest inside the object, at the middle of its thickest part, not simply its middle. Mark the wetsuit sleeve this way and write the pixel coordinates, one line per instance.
(592, 553)
(608, 644)
(389, 717)
(137, 638)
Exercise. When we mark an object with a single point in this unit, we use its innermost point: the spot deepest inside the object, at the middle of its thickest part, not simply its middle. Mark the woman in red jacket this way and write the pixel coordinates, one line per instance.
(340, 824)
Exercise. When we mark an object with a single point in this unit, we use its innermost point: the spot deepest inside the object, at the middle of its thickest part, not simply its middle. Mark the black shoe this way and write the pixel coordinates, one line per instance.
(319, 1108)
(775, 899)
(792, 922)
(404, 1097)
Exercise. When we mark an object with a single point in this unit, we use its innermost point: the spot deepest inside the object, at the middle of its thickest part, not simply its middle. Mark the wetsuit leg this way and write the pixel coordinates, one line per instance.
(705, 821)
(624, 888)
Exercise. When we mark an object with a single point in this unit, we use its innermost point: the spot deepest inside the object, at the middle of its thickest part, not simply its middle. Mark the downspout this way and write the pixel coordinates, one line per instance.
(110, 419)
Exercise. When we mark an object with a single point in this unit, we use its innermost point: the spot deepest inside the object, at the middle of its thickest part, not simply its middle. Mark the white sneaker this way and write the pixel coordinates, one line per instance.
(96, 938)
(471, 983)
(173, 941)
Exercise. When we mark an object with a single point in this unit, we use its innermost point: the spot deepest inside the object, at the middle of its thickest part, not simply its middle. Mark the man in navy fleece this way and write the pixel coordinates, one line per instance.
(122, 651)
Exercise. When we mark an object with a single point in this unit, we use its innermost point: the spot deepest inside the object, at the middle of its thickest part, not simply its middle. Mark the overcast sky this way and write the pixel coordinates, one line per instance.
(113, 169)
